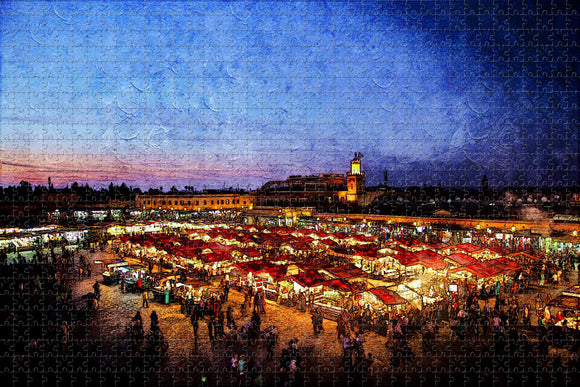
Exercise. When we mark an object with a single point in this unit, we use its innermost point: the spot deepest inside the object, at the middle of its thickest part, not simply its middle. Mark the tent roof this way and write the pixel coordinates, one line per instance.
(466, 247)
(427, 258)
(345, 271)
(461, 259)
(490, 268)
(338, 284)
(308, 279)
(387, 296)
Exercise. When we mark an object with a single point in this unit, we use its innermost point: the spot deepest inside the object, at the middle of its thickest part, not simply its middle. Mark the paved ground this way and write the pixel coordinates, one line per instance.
(187, 359)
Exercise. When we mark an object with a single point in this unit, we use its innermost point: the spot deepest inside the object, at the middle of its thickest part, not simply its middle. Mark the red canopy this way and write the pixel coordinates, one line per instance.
(187, 252)
(338, 284)
(427, 258)
(346, 271)
(466, 247)
(490, 268)
(308, 279)
(216, 256)
(461, 259)
(388, 297)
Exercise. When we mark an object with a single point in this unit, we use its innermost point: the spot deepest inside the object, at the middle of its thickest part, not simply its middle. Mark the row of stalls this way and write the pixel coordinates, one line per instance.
(136, 278)
(329, 288)
(165, 286)
(20, 240)
(427, 272)
(272, 260)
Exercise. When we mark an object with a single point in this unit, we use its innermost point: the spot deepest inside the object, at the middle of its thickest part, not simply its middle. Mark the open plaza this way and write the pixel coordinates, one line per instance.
(216, 302)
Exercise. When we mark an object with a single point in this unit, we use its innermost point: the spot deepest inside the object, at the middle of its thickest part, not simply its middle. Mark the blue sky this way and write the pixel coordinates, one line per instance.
(214, 94)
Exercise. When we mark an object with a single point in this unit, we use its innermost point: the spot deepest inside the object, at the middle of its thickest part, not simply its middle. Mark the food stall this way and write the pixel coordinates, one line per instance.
(164, 292)
(112, 270)
(267, 279)
(334, 297)
(569, 302)
(131, 275)
(487, 273)
(382, 299)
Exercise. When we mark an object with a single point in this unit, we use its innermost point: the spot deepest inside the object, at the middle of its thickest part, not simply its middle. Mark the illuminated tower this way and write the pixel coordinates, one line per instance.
(355, 180)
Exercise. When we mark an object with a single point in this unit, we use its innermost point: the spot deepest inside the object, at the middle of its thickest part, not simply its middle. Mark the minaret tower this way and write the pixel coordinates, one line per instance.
(355, 180)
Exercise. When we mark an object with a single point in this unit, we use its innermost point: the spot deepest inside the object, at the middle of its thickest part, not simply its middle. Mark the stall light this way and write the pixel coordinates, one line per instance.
(478, 227)
(574, 232)
(513, 228)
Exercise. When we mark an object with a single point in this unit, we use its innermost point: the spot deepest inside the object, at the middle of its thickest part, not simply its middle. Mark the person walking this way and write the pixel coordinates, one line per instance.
(226, 291)
(242, 369)
(234, 368)
(256, 302)
(263, 304)
(97, 288)
(210, 328)
(195, 326)
(230, 318)
(145, 298)
(314, 323)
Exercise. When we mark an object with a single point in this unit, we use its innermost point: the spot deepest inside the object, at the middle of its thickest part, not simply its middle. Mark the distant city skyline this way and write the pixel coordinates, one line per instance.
(219, 94)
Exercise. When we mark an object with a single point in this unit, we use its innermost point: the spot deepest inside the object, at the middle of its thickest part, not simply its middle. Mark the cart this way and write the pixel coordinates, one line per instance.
(270, 333)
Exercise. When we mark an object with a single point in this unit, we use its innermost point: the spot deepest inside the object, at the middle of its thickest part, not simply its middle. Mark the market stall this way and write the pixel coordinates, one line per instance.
(335, 296)
(112, 270)
(381, 299)
(164, 292)
(569, 302)
(134, 277)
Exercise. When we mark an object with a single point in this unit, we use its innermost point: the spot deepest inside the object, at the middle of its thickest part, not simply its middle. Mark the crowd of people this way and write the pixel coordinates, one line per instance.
(41, 320)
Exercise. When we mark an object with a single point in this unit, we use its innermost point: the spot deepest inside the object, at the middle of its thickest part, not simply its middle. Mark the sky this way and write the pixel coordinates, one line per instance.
(215, 94)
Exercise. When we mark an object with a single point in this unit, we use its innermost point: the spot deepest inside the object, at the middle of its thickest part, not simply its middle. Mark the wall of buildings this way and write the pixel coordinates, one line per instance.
(195, 202)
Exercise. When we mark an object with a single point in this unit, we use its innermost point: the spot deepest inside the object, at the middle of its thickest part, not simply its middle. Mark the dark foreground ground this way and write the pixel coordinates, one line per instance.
(98, 351)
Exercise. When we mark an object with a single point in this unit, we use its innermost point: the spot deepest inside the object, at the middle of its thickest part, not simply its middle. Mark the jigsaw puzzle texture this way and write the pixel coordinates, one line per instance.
(446, 256)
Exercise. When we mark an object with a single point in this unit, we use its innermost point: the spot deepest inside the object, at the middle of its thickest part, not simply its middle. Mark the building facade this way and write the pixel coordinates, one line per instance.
(320, 190)
(195, 202)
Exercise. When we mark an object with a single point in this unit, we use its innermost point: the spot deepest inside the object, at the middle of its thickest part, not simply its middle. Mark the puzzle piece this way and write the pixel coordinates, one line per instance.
(175, 208)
